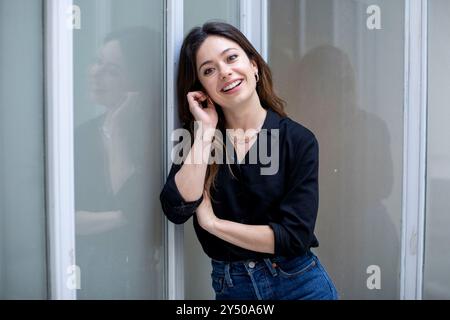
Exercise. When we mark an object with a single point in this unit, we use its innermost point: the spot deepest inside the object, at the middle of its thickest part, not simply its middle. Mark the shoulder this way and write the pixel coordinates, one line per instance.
(301, 148)
(90, 126)
(296, 134)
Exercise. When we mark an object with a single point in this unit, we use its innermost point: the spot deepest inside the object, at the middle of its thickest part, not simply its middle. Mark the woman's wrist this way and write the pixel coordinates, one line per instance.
(207, 137)
(206, 134)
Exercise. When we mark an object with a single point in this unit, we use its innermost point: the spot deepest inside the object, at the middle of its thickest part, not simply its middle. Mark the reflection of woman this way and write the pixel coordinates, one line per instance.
(258, 229)
(357, 170)
(114, 216)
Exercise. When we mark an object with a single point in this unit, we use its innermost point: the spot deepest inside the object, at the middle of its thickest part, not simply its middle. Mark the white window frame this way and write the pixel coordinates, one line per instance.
(253, 22)
(254, 16)
(60, 152)
(175, 233)
(414, 162)
(59, 149)
(415, 134)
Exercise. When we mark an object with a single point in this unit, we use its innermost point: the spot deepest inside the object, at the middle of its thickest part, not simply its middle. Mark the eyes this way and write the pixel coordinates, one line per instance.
(206, 72)
(106, 68)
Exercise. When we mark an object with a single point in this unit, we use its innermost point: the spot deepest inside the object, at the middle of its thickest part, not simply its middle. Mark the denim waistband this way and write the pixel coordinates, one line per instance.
(251, 265)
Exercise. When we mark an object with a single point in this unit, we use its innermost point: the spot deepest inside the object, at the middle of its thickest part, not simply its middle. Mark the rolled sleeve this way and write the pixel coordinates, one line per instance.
(176, 209)
(297, 211)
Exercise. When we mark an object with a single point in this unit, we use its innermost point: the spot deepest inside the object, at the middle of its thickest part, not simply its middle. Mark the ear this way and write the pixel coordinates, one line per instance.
(254, 66)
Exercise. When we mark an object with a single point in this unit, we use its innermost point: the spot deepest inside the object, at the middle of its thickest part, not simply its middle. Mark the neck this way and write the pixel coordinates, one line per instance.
(116, 103)
(245, 116)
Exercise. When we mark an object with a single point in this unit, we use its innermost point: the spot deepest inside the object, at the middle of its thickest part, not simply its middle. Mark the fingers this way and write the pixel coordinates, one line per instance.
(195, 97)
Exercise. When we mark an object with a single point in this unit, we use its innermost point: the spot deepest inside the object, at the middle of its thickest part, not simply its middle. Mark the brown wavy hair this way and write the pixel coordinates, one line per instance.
(187, 81)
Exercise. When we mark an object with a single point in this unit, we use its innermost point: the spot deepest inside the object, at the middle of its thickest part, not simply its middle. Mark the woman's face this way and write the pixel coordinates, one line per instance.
(221, 62)
(108, 78)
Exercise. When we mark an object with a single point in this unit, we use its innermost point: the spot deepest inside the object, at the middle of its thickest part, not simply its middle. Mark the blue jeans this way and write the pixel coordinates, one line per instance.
(279, 278)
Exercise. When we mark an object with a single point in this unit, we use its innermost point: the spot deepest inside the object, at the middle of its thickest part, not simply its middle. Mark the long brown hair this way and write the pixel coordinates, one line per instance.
(188, 80)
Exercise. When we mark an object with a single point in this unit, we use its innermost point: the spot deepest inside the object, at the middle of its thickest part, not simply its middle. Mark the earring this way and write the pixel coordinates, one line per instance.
(257, 77)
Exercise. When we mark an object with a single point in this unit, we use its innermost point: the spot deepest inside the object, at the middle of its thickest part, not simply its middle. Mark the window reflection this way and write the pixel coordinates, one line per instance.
(356, 173)
(436, 282)
(118, 225)
(345, 83)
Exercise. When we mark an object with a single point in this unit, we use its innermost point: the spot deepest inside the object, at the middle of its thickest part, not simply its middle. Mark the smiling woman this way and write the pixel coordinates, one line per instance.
(252, 228)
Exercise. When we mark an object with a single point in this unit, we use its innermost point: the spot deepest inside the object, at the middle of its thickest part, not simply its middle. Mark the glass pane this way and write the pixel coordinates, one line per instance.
(437, 253)
(197, 12)
(197, 266)
(22, 223)
(344, 81)
(119, 90)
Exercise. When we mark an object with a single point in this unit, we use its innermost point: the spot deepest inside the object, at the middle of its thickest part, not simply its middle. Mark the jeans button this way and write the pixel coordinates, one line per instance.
(251, 264)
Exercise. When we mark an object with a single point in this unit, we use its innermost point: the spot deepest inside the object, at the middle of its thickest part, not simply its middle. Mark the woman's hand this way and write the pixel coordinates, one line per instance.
(205, 214)
(259, 238)
(208, 116)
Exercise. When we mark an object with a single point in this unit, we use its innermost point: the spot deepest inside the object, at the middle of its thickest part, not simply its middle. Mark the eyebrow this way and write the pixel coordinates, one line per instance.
(209, 61)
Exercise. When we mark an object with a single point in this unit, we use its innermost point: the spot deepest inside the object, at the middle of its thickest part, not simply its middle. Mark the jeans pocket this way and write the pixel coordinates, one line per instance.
(295, 267)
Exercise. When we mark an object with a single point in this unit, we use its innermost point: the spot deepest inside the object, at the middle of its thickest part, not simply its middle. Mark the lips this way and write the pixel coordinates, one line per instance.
(231, 82)
(235, 88)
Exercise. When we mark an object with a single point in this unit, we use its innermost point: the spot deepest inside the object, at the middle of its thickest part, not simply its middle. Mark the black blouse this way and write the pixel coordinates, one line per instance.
(287, 200)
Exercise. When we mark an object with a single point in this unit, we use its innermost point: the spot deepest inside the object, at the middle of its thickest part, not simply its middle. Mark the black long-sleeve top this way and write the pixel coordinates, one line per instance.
(287, 200)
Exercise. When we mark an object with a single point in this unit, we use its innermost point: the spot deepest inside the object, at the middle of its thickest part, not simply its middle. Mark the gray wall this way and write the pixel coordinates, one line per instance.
(22, 195)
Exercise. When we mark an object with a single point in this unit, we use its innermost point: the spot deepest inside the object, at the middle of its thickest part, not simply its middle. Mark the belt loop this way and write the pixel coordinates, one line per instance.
(271, 267)
(227, 275)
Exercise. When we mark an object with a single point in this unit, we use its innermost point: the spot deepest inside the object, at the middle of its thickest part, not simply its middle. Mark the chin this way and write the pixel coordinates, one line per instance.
(97, 99)
(240, 99)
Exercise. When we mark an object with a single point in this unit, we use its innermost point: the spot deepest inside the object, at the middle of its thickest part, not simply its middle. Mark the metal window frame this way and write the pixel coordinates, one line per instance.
(414, 156)
(59, 148)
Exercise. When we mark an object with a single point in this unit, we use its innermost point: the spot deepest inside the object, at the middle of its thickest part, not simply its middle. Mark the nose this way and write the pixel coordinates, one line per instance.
(95, 70)
(225, 72)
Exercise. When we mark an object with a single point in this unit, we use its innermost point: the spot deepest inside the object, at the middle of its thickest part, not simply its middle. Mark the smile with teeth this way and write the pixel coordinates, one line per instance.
(232, 86)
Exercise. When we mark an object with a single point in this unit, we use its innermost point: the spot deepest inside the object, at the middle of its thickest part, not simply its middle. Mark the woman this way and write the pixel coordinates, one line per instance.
(257, 228)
